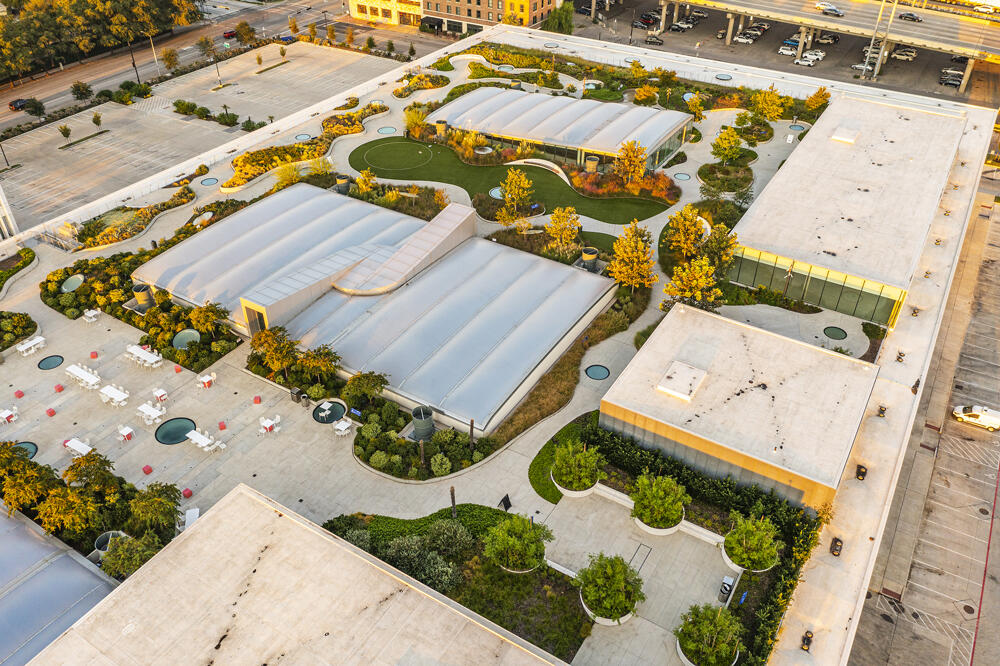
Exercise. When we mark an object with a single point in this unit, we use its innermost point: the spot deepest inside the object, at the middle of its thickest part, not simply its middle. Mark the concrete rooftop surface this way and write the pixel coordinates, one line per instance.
(251, 582)
(778, 400)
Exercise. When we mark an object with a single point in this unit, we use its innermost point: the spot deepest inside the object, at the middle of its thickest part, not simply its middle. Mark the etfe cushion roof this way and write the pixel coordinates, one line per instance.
(560, 121)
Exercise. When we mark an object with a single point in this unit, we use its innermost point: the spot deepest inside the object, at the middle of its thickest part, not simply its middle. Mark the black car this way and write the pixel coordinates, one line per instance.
(580, 9)
(653, 39)
(960, 59)
(17, 104)
(910, 16)
(950, 82)
(676, 28)
(836, 546)
(832, 11)
(639, 24)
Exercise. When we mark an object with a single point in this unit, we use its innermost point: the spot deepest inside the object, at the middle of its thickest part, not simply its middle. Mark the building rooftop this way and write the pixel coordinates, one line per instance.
(44, 588)
(859, 193)
(774, 399)
(559, 121)
(252, 582)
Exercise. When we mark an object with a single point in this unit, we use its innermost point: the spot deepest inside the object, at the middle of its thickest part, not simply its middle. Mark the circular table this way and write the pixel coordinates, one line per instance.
(337, 411)
(72, 283)
(30, 447)
(209, 181)
(50, 362)
(597, 372)
(174, 431)
(185, 337)
(834, 332)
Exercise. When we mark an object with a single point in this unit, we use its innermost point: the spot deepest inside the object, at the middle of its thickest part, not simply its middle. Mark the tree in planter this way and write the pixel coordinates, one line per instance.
(286, 175)
(349, 36)
(412, 52)
(390, 47)
(693, 283)
(727, 146)
(320, 361)
(81, 90)
(125, 554)
(312, 32)
(95, 473)
(517, 543)
(245, 33)
(752, 543)
(633, 264)
(575, 467)
(260, 60)
(659, 501)
(609, 586)
(449, 538)
(645, 95)
(277, 350)
(65, 130)
(363, 387)
(370, 43)
(685, 232)
(208, 318)
(709, 635)
(630, 163)
(281, 51)
(34, 108)
(331, 34)
(563, 227)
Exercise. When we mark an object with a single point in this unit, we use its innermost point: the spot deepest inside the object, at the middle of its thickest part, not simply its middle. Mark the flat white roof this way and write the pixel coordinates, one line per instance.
(859, 193)
(778, 400)
(253, 583)
(560, 121)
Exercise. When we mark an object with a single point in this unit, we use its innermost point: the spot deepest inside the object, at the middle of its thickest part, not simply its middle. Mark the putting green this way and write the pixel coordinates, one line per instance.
(402, 158)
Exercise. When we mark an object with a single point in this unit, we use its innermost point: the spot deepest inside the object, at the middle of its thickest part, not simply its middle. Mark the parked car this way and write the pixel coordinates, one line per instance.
(805, 62)
(229, 34)
(903, 55)
(791, 42)
(581, 9)
(983, 9)
(756, 32)
(639, 24)
(952, 71)
(743, 39)
(700, 13)
(676, 27)
(825, 5)
(686, 24)
(828, 38)
(863, 67)
(951, 83)
(960, 59)
(647, 20)
(761, 24)
(832, 11)
(721, 34)
(17, 104)
(653, 39)
(910, 16)
(787, 51)
(814, 54)
(976, 415)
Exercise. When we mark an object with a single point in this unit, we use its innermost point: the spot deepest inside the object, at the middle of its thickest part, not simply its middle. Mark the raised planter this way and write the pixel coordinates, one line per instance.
(688, 662)
(661, 531)
(518, 571)
(736, 567)
(572, 493)
(606, 621)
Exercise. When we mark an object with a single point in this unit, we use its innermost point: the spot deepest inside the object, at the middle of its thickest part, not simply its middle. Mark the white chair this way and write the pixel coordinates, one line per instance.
(277, 428)
(277, 418)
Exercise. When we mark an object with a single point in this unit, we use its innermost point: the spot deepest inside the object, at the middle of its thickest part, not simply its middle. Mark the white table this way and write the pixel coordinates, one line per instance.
(150, 412)
(143, 355)
(126, 433)
(201, 440)
(6, 416)
(114, 394)
(29, 346)
(326, 405)
(267, 424)
(342, 427)
(160, 395)
(87, 378)
(90, 315)
(206, 380)
(77, 448)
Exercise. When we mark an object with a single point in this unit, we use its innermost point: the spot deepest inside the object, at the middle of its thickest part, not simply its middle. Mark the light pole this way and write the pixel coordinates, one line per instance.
(217, 72)
(2, 152)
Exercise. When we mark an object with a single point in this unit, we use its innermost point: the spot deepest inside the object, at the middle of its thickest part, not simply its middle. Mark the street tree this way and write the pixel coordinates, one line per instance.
(370, 43)
(81, 90)
(818, 99)
(293, 25)
(727, 146)
(693, 283)
(630, 163)
(33, 107)
(563, 227)
(206, 47)
(282, 51)
(685, 232)
(245, 33)
(331, 33)
(412, 51)
(170, 59)
(312, 31)
(633, 264)
(390, 47)
(349, 37)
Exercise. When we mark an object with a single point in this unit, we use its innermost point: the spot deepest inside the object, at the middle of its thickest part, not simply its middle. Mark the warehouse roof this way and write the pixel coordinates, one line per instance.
(559, 121)
(760, 394)
(252, 582)
(859, 193)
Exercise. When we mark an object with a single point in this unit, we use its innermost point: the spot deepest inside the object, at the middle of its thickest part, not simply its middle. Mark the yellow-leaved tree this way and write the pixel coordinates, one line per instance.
(645, 94)
(563, 227)
(633, 263)
(365, 181)
(517, 192)
(818, 98)
(727, 146)
(767, 104)
(630, 163)
(685, 232)
(637, 70)
(693, 283)
(696, 108)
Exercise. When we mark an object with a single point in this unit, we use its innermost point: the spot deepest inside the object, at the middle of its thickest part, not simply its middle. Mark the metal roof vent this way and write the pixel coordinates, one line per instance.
(681, 380)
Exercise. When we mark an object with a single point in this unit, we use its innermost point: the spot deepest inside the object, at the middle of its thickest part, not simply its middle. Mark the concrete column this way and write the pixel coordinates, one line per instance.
(677, 11)
(802, 41)
(593, 9)
(809, 37)
(968, 73)
(740, 28)
(663, 16)
(687, 10)
(729, 30)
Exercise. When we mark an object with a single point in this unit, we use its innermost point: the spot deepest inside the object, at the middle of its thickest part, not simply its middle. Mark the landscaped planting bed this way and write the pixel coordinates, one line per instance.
(14, 327)
(122, 223)
(541, 606)
(15, 263)
(415, 82)
(731, 177)
(538, 77)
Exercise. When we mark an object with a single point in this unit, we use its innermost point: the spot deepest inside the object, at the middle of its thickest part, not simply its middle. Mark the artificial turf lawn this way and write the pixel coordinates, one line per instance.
(603, 242)
(401, 158)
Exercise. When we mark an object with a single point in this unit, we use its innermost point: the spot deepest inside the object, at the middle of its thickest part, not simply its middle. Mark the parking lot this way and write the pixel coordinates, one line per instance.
(147, 136)
(919, 76)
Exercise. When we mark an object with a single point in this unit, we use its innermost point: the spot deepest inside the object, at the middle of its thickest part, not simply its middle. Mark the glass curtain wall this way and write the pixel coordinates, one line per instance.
(828, 289)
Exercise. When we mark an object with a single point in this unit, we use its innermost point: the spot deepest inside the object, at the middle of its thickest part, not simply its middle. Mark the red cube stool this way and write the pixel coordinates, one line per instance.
(177, 368)
(222, 425)
(256, 399)
(59, 388)
(147, 470)
(50, 411)
(93, 354)
(18, 393)
(187, 492)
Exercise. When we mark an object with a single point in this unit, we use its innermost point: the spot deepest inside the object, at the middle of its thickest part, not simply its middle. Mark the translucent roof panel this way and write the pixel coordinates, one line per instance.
(44, 589)
(286, 231)
(464, 334)
(559, 121)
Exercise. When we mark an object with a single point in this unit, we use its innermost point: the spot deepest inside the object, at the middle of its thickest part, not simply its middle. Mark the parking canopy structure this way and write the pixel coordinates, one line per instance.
(459, 323)
(565, 128)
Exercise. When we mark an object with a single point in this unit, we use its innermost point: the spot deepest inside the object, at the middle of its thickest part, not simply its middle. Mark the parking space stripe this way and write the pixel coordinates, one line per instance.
(964, 534)
(936, 545)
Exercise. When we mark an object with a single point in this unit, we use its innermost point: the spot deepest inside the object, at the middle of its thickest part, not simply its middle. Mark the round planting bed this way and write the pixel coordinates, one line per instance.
(572, 493)
(736, 567)
(688, 662)
(660, 531)
(605, 621)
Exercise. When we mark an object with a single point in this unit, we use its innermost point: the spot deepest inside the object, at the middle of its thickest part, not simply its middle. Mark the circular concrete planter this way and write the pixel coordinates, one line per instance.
(688, 662)
(736, 567)
(572, 493)
(660, 531)
(518, 571)
(605, 621)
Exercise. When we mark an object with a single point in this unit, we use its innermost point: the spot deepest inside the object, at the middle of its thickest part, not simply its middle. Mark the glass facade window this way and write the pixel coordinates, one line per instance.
(827, 289)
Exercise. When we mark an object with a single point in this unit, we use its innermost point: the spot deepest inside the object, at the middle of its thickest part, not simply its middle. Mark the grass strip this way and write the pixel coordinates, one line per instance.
(261, 71)
(71, 143)
(538, 473)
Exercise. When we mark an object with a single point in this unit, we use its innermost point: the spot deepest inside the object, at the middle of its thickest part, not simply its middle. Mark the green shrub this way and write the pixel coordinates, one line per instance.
(659, 501)
(752, 543)
(359, 537)
(411, 555)
(379, 459)
(709, 635)
(371, 430)
(517, 543)
(128, 85)
(449, 538)
(125, 554)
(203, 112)
(67, 300)
(229, 119)
(121, 97)
(610, 587)
(577, 467)
(104, 95)
(316, 391)
(440, 465)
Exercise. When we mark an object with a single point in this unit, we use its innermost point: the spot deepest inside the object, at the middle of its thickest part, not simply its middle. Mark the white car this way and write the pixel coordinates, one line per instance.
(984, 417)
(805, 62)
(740, 39)
(684, 23)
(952, 71)
(983, 9)
(825, 5)
(787, 51)
(903, 55)
(761, 24)
(814, 54)
(863, 67)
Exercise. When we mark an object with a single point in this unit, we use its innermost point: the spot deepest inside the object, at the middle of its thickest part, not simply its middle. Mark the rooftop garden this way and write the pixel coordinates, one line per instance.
(414, 82)
(124, 222)
(15, 263)
(14, 327)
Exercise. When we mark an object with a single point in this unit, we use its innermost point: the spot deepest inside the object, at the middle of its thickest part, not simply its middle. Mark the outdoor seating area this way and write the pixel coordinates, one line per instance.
(343, 427)
(204, 441)
(143, 356)
(85, 376)
(125, 434)
(77, 448)
(269, 425)
(30, 346)
(8, 415)
(150, 413)
(116, 395)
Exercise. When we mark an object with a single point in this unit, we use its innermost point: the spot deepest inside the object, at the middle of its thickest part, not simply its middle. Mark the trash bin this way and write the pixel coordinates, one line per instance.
(296, 394)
